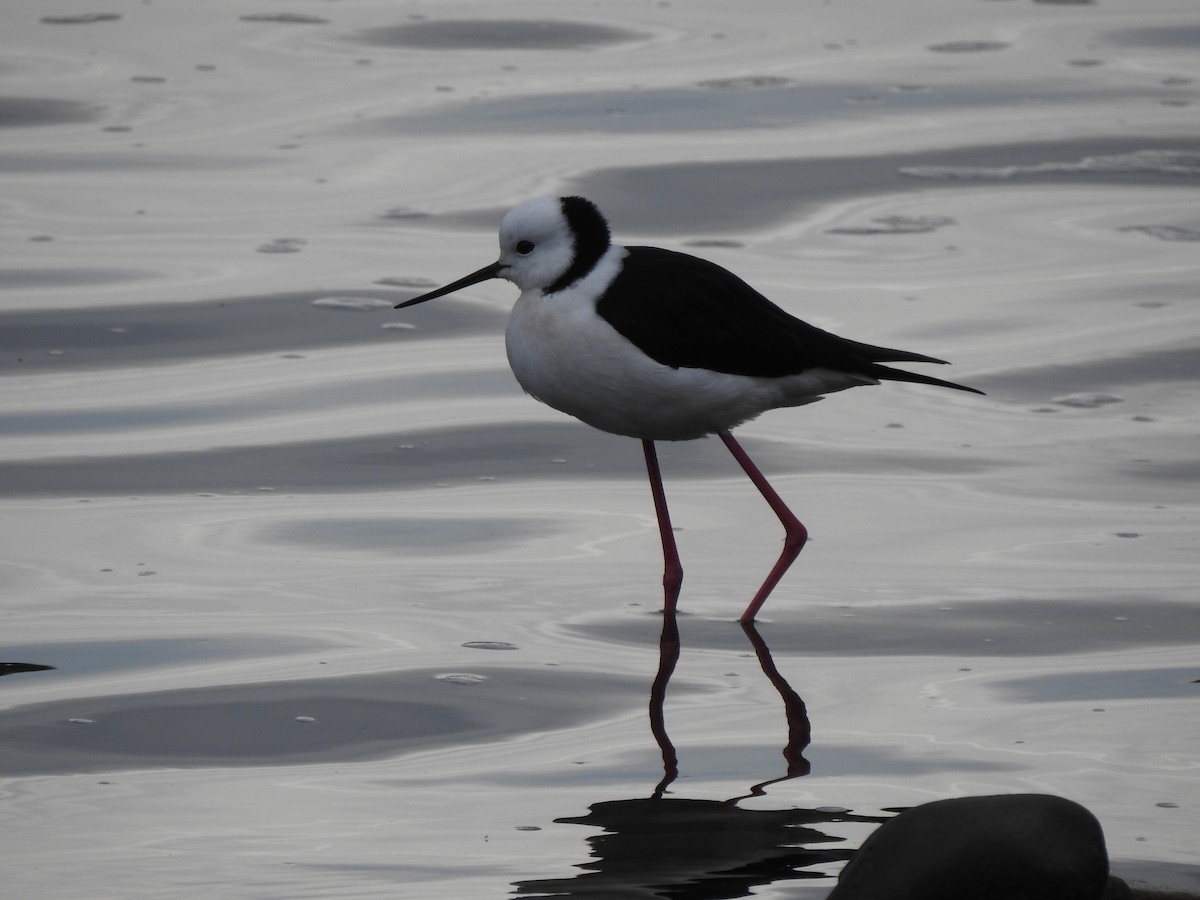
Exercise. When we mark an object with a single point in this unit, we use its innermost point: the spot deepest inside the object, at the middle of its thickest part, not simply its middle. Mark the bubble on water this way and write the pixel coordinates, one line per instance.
(398, 326)
(284, 18)
(305, 720)
(353, 304)
(897, 225)
(714, 242)
(1087, 401)
(403, 213)
(967, 46)
(283, 245)
(80, 19)
(746, 81)
(468, 679)
(402, 281)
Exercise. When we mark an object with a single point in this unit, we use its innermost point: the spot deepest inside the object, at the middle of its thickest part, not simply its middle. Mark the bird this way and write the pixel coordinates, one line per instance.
(660, 345)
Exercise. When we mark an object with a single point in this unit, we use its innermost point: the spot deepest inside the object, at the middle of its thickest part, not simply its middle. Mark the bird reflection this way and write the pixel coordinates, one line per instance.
(692, 849)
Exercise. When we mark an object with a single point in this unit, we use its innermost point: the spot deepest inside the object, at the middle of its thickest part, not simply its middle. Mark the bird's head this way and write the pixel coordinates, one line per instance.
(546, 244)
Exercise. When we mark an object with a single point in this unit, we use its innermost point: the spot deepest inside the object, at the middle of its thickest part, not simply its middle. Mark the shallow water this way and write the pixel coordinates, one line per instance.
(304, 598)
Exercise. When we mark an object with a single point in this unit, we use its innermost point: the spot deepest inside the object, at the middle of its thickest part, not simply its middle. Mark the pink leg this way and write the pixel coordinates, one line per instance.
(795, 534)
(672, 568)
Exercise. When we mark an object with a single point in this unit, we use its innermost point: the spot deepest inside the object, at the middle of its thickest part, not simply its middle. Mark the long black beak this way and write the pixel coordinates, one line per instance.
(492, 271)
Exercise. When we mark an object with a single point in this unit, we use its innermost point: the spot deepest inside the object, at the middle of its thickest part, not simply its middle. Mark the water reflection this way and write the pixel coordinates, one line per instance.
(712, 849)
(693, 849)
(796, 713)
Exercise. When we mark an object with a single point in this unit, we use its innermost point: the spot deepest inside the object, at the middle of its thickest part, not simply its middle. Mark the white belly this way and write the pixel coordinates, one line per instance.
(568, 357)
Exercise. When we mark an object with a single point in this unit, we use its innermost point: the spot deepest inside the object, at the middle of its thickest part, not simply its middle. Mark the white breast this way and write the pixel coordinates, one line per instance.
(570, 358)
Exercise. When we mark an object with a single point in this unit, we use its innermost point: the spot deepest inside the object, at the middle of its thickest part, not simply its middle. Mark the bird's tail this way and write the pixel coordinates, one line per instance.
(875, 354)
(887, 373)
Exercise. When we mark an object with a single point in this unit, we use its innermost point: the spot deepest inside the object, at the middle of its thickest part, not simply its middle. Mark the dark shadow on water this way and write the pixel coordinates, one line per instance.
(297, 722)
(170, 333)
(662, 846)
(694, 849)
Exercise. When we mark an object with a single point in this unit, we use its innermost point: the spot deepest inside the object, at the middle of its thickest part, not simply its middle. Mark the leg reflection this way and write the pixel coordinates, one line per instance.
(668, 655)
(798, 725)
(662, 846)
(796, 713)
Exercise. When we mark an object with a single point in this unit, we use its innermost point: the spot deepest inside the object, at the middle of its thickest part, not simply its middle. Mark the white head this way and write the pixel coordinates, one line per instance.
(536, 243)
(545, 244)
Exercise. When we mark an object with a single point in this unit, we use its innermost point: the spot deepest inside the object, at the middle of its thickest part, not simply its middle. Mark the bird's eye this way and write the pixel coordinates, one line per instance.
(524, 247)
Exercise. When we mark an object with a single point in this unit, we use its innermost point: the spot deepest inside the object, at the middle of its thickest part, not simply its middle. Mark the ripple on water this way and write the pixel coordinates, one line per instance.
(497, 34)
(465, 679)
(119, 336)
(284, 18)
(1167, 232)
(489, 645)
(967, 46)
(26, 277)
(353, 304)
(1138, 162)
(398, 536)
(897, 225)
(724, 104)
(345, 718)
(32, 112)
(1156, 36)
(80, 18)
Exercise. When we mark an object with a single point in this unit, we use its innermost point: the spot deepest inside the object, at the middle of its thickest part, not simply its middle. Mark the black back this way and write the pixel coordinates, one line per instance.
(687, 312)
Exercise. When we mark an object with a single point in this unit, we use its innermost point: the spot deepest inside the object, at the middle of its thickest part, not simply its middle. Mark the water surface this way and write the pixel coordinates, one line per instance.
(302, 596)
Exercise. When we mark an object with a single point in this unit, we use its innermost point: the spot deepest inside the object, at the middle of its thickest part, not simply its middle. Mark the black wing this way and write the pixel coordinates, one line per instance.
(687, 312)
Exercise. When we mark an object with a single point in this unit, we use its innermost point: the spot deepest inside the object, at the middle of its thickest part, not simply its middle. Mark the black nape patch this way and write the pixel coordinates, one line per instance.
(591, 236)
